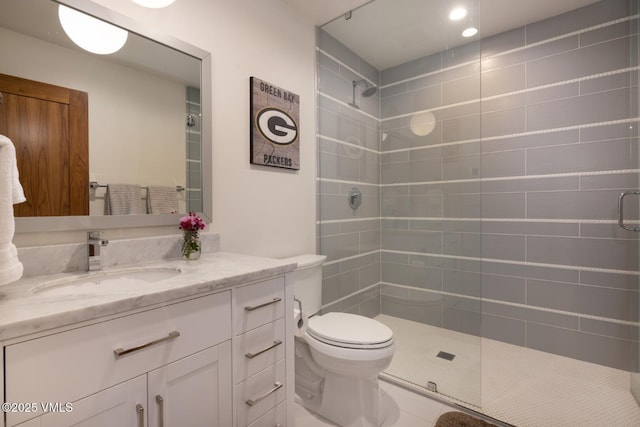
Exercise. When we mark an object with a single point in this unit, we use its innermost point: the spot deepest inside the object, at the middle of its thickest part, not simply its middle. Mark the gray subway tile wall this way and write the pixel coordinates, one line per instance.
(348, 157)
(502, 221)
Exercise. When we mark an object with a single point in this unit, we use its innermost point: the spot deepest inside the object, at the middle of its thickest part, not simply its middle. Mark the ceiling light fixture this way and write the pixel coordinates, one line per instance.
(458, 13)
(154, 4)
(91, 34)
(470, 32)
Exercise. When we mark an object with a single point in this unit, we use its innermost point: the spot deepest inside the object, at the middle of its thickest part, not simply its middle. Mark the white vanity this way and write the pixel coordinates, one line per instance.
(208, 346)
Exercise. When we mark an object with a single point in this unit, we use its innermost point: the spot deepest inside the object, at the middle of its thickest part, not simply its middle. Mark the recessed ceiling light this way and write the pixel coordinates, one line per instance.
(91, 34)
(458, 13)
(154, 4)
(470, 32)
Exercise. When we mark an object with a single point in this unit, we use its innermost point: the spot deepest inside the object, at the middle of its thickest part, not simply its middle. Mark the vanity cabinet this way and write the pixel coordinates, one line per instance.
(220, 359)
(100, 367)
(260, 375)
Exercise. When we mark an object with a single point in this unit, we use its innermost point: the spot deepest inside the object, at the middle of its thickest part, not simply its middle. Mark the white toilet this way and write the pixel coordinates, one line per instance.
(338, 356)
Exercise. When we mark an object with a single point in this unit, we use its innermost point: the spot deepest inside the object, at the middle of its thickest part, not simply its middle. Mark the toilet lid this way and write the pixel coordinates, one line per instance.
(349, 330)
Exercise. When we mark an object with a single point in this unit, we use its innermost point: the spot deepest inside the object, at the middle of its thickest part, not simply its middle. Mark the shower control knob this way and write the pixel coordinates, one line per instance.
(355, 198)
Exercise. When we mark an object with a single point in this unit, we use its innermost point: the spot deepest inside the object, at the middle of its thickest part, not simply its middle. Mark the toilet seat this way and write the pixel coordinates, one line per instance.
(350, 331)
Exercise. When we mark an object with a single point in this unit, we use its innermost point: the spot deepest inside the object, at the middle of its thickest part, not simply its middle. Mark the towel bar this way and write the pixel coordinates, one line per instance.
(94, 184)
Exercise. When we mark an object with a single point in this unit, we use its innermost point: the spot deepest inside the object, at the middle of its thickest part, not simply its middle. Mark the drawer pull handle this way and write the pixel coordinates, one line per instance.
(275, 388)
(121, 351)
(140, 412)
(255, 307)
(252, 355)
(160, 402)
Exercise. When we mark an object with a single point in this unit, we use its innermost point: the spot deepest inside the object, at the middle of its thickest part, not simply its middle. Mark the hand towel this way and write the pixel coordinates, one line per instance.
(162, 200)
(123, 199)
(10, 193)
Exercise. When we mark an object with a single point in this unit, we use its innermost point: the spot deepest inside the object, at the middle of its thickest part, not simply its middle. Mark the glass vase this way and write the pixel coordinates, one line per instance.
(191, 247)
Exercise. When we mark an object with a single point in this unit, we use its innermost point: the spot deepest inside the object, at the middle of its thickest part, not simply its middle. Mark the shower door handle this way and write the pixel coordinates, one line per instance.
(620, 209)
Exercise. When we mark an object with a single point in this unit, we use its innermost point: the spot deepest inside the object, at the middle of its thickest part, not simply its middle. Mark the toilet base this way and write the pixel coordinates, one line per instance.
(347, 402)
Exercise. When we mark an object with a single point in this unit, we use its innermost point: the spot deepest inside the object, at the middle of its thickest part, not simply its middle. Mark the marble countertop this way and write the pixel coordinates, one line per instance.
(24, 312)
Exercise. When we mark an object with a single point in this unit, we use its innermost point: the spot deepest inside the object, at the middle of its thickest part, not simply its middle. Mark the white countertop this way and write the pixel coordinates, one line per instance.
(24, 312)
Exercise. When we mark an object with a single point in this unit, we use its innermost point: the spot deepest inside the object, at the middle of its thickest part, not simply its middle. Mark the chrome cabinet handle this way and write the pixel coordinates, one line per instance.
(252, 355)
(620, 210)
(255, 307)
(160, 402)
(140, 412)
(275, 388)
(121, 351)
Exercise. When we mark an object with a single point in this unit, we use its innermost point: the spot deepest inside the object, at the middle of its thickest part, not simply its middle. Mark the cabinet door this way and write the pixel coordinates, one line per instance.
(122, 405)
(194, 391)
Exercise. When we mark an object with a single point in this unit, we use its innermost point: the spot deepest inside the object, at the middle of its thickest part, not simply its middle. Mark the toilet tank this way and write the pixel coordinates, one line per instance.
(308, 281)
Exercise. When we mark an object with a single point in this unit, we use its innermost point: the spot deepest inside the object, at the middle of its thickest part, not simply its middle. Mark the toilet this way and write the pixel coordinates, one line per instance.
(338, 355)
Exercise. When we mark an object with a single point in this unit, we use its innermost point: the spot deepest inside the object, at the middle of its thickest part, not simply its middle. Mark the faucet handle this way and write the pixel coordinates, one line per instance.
(94, 241)
(96, 237)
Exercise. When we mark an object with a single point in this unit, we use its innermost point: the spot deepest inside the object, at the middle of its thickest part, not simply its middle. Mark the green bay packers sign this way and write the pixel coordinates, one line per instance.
(275, 137)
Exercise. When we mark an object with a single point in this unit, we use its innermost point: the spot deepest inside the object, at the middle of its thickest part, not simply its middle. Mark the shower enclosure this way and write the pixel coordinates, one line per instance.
(490, 170)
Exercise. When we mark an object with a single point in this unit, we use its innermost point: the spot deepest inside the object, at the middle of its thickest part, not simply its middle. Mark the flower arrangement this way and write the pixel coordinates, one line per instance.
(190, 226)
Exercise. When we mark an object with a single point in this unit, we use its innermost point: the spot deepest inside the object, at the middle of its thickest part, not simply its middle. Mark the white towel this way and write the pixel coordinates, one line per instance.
(123, 199)
(162, 200)
(11, 193)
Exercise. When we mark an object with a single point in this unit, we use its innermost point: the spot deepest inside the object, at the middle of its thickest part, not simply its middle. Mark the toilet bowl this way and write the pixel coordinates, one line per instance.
(349, 344)
(338, 356)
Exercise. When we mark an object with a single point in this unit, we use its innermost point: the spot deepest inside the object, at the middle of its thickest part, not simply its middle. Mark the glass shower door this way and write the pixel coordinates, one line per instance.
(501, 160)
(429, 183)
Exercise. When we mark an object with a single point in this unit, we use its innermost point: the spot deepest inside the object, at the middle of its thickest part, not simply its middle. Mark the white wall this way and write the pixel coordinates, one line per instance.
(257, 210)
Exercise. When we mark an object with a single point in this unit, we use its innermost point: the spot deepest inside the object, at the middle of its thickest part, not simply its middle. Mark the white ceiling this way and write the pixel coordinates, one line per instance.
(324, 11)
(390, 32)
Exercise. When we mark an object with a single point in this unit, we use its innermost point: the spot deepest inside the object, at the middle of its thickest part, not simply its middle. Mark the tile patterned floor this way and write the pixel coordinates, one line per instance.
(523, 387)
(404, 409)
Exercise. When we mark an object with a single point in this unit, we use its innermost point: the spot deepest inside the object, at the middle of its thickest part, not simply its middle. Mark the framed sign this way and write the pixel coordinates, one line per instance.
(275, 113)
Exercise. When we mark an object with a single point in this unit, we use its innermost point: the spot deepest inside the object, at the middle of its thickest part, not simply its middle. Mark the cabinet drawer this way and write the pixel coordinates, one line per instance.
(258, 349)
(277, 417)
(260, 393)
(258, 304)
(66, 366)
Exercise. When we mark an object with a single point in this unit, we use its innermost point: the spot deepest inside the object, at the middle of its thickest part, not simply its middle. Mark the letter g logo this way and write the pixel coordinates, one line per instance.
(276, 126)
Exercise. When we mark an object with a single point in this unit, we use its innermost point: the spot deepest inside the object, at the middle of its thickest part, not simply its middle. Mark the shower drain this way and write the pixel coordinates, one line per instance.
(446, 356)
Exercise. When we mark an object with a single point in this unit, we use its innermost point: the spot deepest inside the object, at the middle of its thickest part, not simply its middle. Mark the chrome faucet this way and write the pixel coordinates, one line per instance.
(94, 243)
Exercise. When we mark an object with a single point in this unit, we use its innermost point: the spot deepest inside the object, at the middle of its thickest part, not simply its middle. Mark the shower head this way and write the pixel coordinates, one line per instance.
(369, 90)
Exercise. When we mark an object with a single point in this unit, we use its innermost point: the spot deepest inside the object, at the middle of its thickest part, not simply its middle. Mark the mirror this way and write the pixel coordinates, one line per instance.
(149, 109)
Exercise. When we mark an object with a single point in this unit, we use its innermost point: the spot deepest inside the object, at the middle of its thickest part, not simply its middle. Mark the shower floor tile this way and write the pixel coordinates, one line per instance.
(416, 358)
(519, 386)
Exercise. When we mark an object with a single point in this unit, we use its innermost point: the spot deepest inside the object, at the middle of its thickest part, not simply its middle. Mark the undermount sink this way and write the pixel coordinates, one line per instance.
(102, 280)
